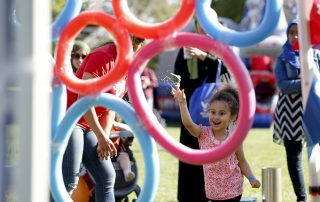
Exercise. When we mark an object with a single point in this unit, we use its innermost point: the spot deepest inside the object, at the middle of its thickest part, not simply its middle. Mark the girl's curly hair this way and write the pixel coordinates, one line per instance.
(228, 94)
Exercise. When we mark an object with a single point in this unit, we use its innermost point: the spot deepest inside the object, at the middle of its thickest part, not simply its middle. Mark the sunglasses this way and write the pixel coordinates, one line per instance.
(78, 56)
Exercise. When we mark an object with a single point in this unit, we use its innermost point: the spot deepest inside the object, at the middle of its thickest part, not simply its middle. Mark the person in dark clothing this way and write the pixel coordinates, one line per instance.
(193, 65)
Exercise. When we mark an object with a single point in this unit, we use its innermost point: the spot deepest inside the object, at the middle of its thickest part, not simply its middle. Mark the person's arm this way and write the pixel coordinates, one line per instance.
(109, 120)
(180, 97)
(285, 84)
(105, 146)
(245, 168)
(195, 52)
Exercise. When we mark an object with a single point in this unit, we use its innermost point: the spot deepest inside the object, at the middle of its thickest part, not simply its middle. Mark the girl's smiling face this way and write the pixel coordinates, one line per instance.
(220, 116)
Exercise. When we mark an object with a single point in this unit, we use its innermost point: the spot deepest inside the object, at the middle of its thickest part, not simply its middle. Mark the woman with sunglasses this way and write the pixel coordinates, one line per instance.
(79, 51)
(90, 144)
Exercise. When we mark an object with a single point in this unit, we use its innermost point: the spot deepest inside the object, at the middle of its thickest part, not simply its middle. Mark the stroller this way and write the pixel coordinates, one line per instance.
(122, 188)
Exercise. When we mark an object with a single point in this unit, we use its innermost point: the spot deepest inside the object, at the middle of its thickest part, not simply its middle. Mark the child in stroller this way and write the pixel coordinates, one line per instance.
(126, 170)
(122, 138)
(124, 164)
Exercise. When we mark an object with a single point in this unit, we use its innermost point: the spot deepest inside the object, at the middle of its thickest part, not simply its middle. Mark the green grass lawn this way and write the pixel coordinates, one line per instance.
(260, 152)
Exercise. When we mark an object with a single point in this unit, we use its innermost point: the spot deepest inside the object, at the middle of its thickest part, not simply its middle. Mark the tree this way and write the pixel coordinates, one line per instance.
(152, 10)
(222, 7)
(57, 6)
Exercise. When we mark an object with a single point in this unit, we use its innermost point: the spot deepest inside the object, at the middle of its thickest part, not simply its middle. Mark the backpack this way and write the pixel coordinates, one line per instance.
(199, 100)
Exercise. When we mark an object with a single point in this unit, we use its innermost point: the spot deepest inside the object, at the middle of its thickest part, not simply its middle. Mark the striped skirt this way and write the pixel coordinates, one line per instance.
(288, 118)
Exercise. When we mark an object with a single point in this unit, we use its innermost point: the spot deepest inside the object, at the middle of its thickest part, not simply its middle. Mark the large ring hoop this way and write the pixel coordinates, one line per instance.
(123, 60)
(246, 96)
(156, 30)
(147, 144)
(59, 101)
(70, 10)
(234, 38)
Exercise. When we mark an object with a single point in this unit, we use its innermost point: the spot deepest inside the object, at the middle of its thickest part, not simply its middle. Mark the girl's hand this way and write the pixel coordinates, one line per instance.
(106, 149)
(179, 95)
(255, 183)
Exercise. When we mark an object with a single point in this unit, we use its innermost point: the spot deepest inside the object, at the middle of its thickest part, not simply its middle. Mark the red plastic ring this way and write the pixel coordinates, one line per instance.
(155, 30)
(123, 60)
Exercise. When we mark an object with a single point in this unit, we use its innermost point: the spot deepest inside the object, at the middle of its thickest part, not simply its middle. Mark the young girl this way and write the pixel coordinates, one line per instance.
(224, 178)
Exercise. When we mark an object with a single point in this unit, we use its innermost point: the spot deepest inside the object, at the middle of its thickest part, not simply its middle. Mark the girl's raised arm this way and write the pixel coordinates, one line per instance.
(180, 97)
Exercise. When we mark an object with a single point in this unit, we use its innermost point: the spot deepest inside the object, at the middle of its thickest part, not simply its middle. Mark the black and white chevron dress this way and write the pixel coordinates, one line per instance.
(288, 118)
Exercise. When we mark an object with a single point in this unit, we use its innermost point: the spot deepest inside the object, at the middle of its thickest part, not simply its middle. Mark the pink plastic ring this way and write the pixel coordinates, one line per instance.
(233, 62)
(123, 60)
(156, 30)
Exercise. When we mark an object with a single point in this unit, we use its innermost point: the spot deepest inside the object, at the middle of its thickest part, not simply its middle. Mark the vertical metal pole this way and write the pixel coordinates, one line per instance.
(304, 8)
(6, 39)
(271, 185)
(2, 124)
(32, 70)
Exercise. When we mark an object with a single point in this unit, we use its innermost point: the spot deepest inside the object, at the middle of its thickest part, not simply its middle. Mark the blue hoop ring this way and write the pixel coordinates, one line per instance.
(59, 101)
(63, 133)
(71, 10)
(234, 38)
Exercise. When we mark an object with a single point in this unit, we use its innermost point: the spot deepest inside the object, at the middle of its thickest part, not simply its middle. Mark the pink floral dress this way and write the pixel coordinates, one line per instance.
(223, 179)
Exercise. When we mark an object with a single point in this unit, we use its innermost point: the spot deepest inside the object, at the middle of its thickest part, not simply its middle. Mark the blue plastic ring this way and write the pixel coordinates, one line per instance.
(71, 10)
(234, 38)
(63, 133)
(59, 101)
